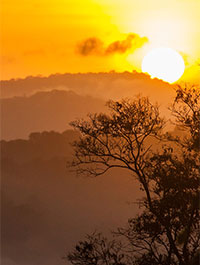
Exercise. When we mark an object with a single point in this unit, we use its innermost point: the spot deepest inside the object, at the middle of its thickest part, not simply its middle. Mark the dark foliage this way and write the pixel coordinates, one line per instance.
(167, 230)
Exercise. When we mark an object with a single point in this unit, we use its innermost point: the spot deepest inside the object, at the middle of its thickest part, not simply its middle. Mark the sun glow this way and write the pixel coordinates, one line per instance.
(164, 63)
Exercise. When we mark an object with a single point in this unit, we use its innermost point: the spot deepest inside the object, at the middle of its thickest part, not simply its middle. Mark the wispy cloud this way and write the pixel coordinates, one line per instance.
(90, 46)
(95, 46)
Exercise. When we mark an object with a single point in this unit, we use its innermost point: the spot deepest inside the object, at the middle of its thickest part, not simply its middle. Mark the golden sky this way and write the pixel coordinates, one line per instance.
(41, 37)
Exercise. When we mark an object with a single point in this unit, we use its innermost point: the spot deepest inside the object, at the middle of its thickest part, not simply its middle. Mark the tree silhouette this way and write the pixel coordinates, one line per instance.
(96, 249)
(167, 168)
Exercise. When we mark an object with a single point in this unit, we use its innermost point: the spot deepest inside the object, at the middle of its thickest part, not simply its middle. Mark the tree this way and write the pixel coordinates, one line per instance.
(186, 110)
(167, 231)
(96, 249)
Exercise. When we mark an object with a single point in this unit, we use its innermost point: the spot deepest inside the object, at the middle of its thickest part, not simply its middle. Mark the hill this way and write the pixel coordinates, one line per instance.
(46, 209)
(52, 110)
(50, 103)
(102, 85)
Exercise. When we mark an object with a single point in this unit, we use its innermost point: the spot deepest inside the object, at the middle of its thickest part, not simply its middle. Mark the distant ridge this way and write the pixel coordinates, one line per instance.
(45, 110)
(81, 83)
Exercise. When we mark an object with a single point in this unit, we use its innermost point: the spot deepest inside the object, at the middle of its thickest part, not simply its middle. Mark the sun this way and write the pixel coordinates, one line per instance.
(164, 63)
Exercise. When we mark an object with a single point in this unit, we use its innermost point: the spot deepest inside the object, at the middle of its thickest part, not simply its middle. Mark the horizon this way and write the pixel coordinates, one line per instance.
(100, 126)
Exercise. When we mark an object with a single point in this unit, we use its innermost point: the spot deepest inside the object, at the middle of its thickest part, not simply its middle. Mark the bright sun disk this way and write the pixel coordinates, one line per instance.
(164, 63)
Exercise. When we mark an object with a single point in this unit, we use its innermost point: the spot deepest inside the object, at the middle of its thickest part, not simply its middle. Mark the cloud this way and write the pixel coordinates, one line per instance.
(90, 46)
(94, 46)
(133, 41)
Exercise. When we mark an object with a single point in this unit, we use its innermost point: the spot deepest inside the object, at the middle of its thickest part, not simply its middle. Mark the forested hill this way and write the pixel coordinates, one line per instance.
(50, 110)
(104, 85)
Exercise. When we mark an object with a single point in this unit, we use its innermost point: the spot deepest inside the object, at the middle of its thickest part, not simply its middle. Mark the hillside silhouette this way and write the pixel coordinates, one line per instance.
(46, 208)
(51, 110)
(104, 85)
(43, 202)
(50, 103)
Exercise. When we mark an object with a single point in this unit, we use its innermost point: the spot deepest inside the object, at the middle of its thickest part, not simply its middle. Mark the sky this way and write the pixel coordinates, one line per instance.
(41, 37)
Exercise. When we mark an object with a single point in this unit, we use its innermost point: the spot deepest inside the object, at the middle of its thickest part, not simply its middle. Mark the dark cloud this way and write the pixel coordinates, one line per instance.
(89, 46)
(95, 46)
(133, 41)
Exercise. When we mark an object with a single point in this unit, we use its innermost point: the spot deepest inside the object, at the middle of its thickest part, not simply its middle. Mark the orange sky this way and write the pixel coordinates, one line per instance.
(41, 36)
